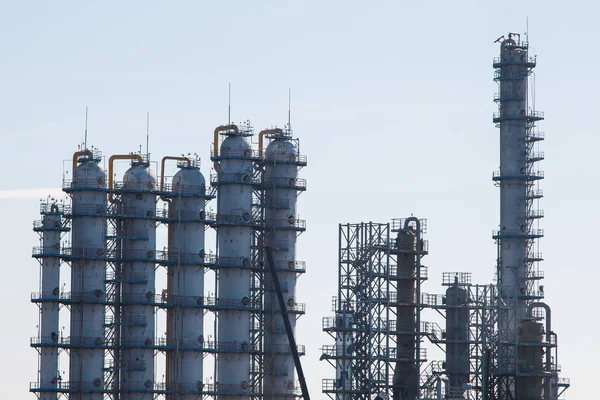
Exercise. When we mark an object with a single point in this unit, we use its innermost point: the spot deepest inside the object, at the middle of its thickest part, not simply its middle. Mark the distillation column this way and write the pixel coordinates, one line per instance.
(281, 187)
(138, 257)
(50, 228)
(516, 179)
(343, 365)
(407, 249)
(88, 275)
(530, 363)
(457, 340)
(186, 281)
(234, 224)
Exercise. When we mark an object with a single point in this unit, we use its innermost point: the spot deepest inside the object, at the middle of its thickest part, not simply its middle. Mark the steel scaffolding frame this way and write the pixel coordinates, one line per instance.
(363, 292)
(257, 319)
(482, 319)
(368, 298)
(49, 210)
(113, 323)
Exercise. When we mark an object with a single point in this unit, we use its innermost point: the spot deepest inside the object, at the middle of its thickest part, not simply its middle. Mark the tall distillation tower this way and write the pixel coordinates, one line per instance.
(517, 237)
(235, 181)
(186, 218)
(281, 188)
(51, 228)
(88, 276)
(138, 297)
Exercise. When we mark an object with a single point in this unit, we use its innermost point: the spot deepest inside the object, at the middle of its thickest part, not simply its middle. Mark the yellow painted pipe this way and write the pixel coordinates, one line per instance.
(261, 139)
(111, 162)
(218, 130)
(169, 248)
(168, 355)
(76, 156)
(162, 168)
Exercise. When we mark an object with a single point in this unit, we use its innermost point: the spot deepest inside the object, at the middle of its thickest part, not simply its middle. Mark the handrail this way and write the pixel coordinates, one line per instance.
(162, 168)
(218, 130)
(111, 161)
(76, 156)
(261, 136)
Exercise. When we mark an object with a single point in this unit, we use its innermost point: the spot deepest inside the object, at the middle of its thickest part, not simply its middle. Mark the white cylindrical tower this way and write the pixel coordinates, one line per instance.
(186, 281)
(281, 187)
(88, 275)
(517, 178)
(50, 229)
(515, 120)
(234, 225)
(138, 298)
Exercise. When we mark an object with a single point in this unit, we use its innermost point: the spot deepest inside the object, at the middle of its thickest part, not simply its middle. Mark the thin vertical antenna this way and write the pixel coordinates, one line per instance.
(147, 134)
(86, 124)
(229, 107)
(527, 29)
(289, 108)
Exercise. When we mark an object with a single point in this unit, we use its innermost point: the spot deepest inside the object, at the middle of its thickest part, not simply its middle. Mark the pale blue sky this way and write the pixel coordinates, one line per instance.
(392, 102)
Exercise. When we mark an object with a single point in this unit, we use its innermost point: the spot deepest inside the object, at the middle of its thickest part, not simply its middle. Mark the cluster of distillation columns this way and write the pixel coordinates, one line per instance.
(115, 357)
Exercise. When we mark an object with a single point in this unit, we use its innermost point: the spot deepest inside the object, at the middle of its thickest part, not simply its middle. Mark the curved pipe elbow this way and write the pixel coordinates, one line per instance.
(407, 222)
(549, 332)
(546, 308)
(162, 168)
(76, 156)
(261, 138)
(218, 130)
(111, 162)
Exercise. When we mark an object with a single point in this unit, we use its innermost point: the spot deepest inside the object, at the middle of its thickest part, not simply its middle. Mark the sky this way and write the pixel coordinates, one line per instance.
(392, 102)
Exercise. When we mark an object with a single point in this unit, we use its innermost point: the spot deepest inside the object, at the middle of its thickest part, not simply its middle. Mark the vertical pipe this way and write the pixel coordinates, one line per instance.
(169, 354)
(549, 334)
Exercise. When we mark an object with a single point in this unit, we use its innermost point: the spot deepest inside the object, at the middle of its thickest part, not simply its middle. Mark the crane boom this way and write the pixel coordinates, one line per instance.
(286, 320)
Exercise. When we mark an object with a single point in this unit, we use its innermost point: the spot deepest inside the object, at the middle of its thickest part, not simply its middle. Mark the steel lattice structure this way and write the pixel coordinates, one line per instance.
(377, 327)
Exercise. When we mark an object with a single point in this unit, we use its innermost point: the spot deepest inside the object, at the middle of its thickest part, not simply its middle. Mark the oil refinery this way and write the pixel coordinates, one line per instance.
(224, 324)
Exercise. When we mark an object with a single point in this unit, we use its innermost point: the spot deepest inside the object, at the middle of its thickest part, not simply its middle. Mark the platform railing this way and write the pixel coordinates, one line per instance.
(284, 183)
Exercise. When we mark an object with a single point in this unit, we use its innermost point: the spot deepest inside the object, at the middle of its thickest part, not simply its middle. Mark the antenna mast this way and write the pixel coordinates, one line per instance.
(147, 134)
(289, 108)
(229, 107)
(86, 126)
